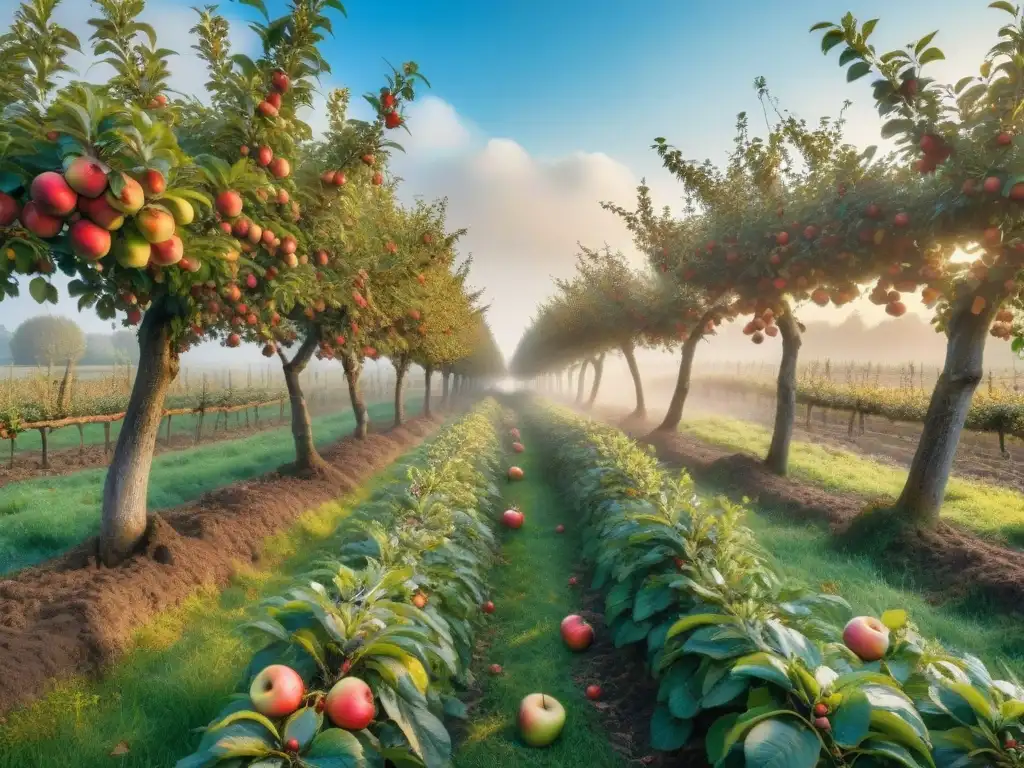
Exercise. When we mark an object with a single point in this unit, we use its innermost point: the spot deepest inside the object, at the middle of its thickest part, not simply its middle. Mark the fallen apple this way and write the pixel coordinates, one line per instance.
(488, 607)
(559, 528)
(867, 637)
(495, 669)
(277, 691)
(541, 719)
(513, 518)
(593, 692)
(577, 633)
(515, 473)
(518, 447)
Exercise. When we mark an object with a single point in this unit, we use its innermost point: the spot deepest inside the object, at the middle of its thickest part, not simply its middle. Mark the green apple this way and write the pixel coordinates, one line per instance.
(541, 719)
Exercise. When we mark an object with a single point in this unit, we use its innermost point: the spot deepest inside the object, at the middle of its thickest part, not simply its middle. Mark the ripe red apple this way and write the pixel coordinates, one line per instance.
(52, 194)
(9, 210)
(513, 518)
(377, 179)
(992, 184)
(89, 241)
(488, 607)
(392, 120)
(279, 81)
(87, 176)
(234, 340)
(327, 177)
(559, 528)
(820, 710)
(339, 179)
(243, 151)
(782, 238)
(280, 168)
(577, 633)
(515, 473)
(573, 581)
(153, 182)
(134, 316)
(38, 223)
(514, 432)
(101, 212)
(168, 252)
(541, 719)
(901, 219)
(822, 724)
(867, 637)
(518, 447)
(131, 199)
(264, 155)
(240, 227)
(266, 109)
(350, 705)
(155, 223)
(277, 691)
(593, 692)
(229, 203)
(274, 99)
(419, 600)
(289, 244)
(283, 196)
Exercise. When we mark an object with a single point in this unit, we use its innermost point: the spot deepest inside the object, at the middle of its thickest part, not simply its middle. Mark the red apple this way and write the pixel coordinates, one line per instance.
(87, 176)
(495, 669)
(593, 692)
(89, 241)
(38, 223)
(277, 691)
(52, 194)
(9, 210)
(488, 607)
(101, 212)
(577, 633)
(229, 203)
(264, 155)
(518, 447)
(573, 581)
(867, 637)
(350, 705)
(515, 473)
(131, 198)
(153, 182)
(155, 223)
(392, 120)
(279, 81)
(280, 167)
(559, 528)
(168, 252)
(513, 518)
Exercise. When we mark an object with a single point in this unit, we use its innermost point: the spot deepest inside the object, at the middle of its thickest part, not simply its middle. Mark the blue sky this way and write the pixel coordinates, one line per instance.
(540, 109)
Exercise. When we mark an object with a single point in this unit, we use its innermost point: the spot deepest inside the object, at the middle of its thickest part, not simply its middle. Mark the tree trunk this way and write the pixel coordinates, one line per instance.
(580, 381)
(777, 459)
(920, 503)
(641, 408)
(445, 386)
(64, 393)
(598, 363)
(675, 406)
(428, 372)
(307, 460)
(353, 368)
(123, 519)
(401, 367)
(572, 368)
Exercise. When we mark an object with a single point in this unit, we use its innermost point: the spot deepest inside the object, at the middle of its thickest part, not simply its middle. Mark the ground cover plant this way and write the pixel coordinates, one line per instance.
(770, 674)
(376, 639)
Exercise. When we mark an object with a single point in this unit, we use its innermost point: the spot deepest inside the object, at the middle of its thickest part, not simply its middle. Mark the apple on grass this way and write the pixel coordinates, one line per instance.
(513, 518)
(577, 633)
(867, 637)
(277, 691)
(541, 719)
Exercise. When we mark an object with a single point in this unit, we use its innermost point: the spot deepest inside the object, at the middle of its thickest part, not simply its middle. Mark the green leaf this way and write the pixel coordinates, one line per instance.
(1002, 5)
(923, 42)
(831, 39)
(687, 623)
(963, 82)
(725, 690)
(335, 748)
(241, 746)
(781, 744)
(763, 666)
(714, 739)
(893, 127)
(857, 71)
(868, 28)
(426, 734)
(302, 726)
(850, 54)
(932, 54)
(245, 714)
(815, 28)
(851, 720)
(669, 733)
(631, 632)
(37, 289)
(650, 601)
(897, 729)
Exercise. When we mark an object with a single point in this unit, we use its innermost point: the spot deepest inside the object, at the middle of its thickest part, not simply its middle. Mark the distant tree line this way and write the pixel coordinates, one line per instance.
(50, 340)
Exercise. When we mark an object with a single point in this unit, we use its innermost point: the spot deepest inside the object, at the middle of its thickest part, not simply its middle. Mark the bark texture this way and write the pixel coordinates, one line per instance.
(920, 503)
(675, 407)
(307, 459)
(353, 369)
(446, 386)
(401, 363)
(428, 372)
(634, 370)
(598, 365)
(581, 380)
(777, 459)
(124, 519)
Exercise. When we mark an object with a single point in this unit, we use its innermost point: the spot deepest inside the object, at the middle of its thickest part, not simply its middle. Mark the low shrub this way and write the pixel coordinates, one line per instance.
(396, 608)
(759, 667)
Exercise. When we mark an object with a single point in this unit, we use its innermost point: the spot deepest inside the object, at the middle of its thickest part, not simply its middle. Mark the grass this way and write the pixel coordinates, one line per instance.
(802, 553)
(532, 596)
(44, 517)
(986, 509)
(181, 669)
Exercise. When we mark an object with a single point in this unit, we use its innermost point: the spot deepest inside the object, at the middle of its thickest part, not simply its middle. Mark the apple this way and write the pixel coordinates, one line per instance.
(515, 473)
(350, 705)
(101, 212)
(488, 607)
(279, 81)
(577, 633)
(153, 182)
(89, 241)
(867, 637)
(419, 600)
(9, 209)
(518, 447)
(593, 692)
(541, 719)
(559, 528)
(87, 176)
(513, 518)
(131, 198)
(155, 223)
(229, 203)
(496, 669)
(38, 222)
(280, 167)
(264, 155)
(277, 691)
(573, 581)
(515, 433)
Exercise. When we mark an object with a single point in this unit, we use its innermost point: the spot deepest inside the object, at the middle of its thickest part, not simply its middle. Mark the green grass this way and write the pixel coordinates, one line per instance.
(532, 596)
(44, 517)
(986, 509)
(802, 553)
(180, 671)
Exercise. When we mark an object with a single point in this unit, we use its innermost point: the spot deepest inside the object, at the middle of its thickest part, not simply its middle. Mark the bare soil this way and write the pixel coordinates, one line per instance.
(70, 615)
(893, 442)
